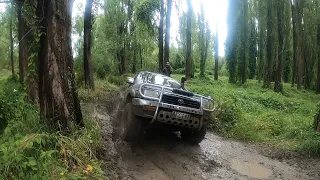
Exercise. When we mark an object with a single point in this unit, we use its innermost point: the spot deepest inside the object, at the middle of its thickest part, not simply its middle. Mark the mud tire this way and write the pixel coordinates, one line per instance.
(130, 125)
(194, 137)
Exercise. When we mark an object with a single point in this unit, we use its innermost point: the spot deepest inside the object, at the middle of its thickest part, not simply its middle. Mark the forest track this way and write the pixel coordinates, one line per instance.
(164, 156)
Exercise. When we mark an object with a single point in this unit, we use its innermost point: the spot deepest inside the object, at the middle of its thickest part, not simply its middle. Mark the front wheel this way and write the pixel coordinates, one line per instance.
(194, 137)
(130, 126)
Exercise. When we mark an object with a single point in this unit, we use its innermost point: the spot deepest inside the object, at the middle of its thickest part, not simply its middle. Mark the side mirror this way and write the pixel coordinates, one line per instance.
(130, 80)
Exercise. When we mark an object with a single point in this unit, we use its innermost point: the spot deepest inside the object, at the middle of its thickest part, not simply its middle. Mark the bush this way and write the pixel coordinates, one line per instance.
(180, 71)
(30, 149)
(226, 116)
(103, 68)
(117, 80)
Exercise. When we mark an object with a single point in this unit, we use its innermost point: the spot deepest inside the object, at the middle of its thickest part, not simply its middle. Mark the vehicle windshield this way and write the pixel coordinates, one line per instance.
(157, 79)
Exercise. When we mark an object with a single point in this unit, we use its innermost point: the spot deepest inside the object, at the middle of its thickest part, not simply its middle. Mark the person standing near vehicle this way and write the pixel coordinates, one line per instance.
(167, 71)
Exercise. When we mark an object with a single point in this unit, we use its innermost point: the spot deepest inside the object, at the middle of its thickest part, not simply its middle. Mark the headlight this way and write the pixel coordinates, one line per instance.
(150, 93)
(207, 104)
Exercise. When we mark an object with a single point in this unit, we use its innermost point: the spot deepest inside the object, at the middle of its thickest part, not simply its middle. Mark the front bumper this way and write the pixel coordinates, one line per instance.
(162, 112)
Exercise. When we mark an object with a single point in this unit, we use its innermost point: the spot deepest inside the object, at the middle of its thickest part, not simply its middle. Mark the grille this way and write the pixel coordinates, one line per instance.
(180, 101)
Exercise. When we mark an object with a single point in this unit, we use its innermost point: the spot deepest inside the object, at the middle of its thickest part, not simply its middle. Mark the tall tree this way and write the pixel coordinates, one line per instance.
(270, 41)
(299, 44)
(23, 37)
(278, 87)
(167, 38)
(160, 38)
(216, 54)
(318, 75)
(87, 60)
(188, 37)
(244, 48)
(295, 57)
(58, 95)
(232, 41)
(11, 38)
(202, 42)
(252, 51)
(262, 38)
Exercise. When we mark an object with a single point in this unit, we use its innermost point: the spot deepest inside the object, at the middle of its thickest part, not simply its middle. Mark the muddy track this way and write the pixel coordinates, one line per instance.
(164, 156)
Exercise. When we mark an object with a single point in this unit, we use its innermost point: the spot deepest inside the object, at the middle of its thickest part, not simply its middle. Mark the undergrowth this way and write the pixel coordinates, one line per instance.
(30, 149)
(259, 115)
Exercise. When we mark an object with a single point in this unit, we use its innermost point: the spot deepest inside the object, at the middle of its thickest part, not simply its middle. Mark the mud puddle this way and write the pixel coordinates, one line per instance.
(249, 169)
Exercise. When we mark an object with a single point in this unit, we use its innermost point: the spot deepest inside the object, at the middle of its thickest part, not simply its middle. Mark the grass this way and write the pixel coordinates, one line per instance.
(259, 115)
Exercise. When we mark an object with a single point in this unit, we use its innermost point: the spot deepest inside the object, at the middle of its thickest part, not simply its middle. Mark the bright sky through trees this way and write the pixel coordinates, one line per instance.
(215, 12)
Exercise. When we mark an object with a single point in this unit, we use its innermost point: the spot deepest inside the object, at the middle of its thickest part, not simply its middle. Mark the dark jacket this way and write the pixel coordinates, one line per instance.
(167, 71)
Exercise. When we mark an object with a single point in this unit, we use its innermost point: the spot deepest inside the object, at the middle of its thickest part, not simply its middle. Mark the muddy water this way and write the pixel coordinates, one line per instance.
(164, 156)
(249, 169)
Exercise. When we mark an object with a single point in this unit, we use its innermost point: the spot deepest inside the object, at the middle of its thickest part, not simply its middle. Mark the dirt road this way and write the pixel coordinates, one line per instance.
(164, 156)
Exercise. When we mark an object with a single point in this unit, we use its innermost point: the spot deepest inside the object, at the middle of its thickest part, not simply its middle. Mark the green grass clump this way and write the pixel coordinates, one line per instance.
(255, 114)
(31, 149)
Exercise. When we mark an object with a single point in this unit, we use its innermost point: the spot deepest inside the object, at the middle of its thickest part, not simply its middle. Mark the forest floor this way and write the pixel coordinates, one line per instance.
(162, 155)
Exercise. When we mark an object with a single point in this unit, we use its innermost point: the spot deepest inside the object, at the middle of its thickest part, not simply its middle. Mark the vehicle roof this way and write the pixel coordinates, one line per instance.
(157, 74)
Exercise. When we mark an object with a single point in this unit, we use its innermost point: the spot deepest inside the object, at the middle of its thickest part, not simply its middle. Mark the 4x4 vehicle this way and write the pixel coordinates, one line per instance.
(157, 101)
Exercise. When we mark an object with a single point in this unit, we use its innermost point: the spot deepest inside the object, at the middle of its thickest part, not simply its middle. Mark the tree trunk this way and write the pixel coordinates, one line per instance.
(216, 55)
(134, 69)
(202, 40)
(299, 45)
(11, 39)
(268, 70)
(188, 36)
(294, 64)
(141, 59)
(252, 50)
(23, 38)
(88, 71)
(167, 38)
(245, 43)
(278, 87)
(160, 38)
(318, 75)
(58, 95)
(262, 45)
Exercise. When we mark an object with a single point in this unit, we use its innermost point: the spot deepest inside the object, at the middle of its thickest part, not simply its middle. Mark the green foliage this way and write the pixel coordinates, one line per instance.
(227, 115)
(146, 10)
(29, 149)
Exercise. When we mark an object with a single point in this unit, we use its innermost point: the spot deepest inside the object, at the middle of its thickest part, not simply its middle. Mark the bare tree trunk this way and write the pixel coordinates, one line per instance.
(216, 55)
(167, 38)
(188, 36)
(299, 44)
(278, 87)
(160, 38)
(245, 43)
(294, 23)
(268, 70)
(318, 75)
(202, 42)
(88, 71)
(11, 39)
(134, 69)
(58, 95)
(141, 59)
(23, 43)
